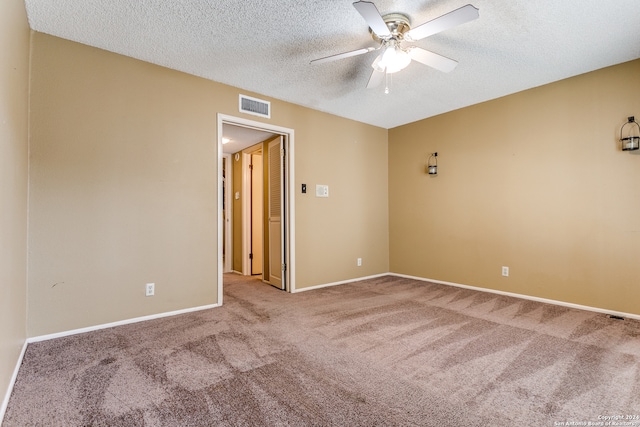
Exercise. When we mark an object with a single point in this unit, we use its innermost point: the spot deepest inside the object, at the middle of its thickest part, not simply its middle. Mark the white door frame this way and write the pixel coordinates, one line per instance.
(228, 189)
(289, 205)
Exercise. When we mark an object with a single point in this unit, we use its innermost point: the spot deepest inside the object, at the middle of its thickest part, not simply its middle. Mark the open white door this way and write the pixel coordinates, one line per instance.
(276, 210)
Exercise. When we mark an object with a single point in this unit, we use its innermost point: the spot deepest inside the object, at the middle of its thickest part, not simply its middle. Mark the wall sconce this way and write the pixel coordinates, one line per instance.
(432, 164)
(631, 142)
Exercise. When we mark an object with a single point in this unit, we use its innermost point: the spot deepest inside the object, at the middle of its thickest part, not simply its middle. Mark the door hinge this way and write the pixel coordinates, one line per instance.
(250, 167)
(284, 267)
(282, 152)
(250, 256)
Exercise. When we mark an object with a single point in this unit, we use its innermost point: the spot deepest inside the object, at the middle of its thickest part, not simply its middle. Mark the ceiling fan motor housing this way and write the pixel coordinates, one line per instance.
(398, 25)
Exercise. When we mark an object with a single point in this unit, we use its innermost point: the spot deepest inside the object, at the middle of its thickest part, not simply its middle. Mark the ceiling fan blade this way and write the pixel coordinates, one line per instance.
(452, 19)
(431, 59)
(343, 55)
(370, 13)
(375, 79)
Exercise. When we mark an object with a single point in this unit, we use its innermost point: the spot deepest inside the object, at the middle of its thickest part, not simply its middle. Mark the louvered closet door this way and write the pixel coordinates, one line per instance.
(275, 187)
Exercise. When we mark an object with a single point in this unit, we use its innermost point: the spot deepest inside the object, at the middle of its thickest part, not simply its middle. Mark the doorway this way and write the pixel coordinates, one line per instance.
(277, 230)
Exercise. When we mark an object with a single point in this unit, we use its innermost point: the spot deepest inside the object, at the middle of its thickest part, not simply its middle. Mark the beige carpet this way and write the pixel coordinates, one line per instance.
(386, 352)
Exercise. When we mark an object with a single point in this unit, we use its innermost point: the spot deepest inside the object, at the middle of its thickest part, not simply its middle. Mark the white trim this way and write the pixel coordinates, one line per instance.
(118, 323)
(342, 282)
(40, 338)
(5, 402)
(228, 189)
(475, 288)
(12, 382)
(220, 153)
(291, 218)
(521, 296)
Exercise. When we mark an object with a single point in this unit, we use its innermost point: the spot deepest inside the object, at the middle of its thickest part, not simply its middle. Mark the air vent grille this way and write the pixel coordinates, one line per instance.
(257, 107)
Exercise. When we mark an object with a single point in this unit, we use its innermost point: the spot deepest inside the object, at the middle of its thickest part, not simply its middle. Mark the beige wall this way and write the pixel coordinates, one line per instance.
(535, 181)
(353, 221)
(14, 86)
(123, 189)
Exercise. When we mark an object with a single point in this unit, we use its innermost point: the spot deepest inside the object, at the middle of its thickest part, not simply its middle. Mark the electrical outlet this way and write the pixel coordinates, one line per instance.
(150, 289)
(505, 271)
(359, 262)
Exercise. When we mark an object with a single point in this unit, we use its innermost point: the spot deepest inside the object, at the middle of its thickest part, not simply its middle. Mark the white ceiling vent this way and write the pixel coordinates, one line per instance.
(257, 107)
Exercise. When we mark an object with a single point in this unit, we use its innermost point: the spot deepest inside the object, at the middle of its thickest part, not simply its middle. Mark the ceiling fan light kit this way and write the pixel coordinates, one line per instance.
(392, 60)
(391, 30)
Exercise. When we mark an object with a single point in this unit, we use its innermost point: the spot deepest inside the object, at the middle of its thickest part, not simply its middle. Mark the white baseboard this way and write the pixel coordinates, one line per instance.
(118, 323)
(527, 297)
(342, 282)
(39, 338)
(5, 401)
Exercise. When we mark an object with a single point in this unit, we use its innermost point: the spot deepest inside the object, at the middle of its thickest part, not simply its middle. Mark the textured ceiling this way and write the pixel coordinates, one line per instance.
(266, 47)
(240, 137)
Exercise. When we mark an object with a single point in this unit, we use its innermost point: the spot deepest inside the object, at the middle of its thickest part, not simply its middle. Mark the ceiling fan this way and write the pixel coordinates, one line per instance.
(392, 30)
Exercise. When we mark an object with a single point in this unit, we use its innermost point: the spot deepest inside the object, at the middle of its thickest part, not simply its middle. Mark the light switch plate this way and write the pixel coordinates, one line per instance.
(322, 190)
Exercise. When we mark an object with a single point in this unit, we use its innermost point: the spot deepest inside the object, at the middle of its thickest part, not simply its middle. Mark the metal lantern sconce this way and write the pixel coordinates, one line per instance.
(432, 164)
(631, 142)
